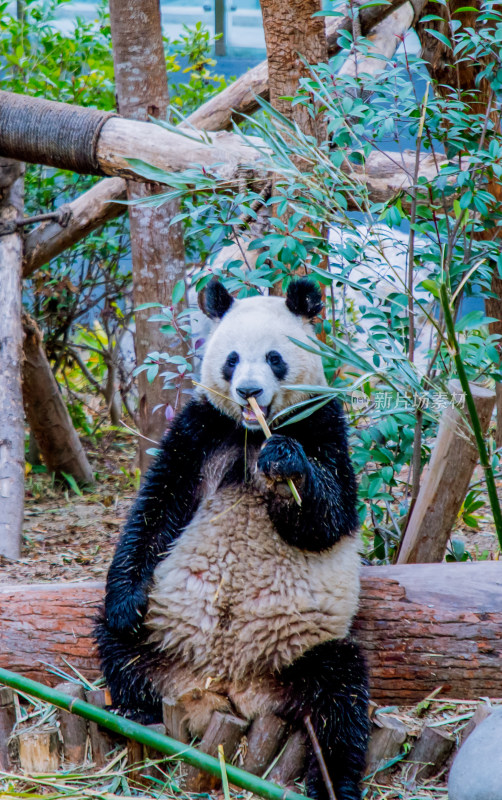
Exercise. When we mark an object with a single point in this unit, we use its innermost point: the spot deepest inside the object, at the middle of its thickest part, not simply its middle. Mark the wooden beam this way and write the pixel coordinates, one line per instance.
(11, 344)
(88, 141)
(384, 39)
(383, 173)
(420, 626)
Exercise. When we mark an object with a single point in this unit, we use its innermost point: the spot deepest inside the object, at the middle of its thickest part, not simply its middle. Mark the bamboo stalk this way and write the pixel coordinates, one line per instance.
(476, 426)
(266, 430)
(140, 733)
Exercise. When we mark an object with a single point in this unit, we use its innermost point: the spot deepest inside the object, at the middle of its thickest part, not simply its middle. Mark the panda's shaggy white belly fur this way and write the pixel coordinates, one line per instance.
(233, 603)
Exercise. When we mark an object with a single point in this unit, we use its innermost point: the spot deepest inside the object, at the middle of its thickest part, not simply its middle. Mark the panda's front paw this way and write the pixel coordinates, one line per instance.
(125, 611)
(281, 458)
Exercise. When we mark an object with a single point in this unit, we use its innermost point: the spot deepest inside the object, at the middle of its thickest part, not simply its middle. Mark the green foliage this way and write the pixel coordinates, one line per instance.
(450, 221)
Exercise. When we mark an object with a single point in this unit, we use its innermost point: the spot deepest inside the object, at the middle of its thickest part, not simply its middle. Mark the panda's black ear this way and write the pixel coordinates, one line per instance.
(214, 300)
(304, 298)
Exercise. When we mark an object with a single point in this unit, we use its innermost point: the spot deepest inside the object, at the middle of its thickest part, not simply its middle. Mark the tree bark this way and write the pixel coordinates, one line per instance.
(293, 35)
(295, 39)
(11, 405)
(446, 481)
(158, 253)
(420, 626)
(47, 413)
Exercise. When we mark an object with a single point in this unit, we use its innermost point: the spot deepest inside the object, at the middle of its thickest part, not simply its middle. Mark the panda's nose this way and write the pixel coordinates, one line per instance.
(249, 391)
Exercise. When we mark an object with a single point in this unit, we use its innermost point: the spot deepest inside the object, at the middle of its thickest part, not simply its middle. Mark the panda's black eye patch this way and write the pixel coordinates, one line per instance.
(229, 365)
(277, 364)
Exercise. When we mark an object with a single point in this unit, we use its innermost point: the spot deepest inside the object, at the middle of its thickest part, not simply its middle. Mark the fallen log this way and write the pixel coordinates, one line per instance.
(420, 626)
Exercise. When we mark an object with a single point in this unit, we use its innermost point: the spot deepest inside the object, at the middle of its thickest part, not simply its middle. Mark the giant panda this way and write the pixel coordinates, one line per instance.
(224, 593)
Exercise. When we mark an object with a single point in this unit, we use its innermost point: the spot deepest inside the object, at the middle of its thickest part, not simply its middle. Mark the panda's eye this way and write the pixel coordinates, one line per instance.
(229, 365)
(277, 364)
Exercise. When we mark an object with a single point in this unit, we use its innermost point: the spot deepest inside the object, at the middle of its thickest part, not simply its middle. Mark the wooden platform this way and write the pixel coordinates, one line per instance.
(420, 625)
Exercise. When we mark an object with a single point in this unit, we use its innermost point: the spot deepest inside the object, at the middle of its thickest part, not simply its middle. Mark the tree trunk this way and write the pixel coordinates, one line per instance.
(47, 413)
(420, 626)
(11, 405)
(294, 36)
(158, 253)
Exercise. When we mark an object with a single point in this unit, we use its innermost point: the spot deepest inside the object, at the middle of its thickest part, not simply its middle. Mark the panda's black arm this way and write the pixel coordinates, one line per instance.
(165, 505)
(315, 454)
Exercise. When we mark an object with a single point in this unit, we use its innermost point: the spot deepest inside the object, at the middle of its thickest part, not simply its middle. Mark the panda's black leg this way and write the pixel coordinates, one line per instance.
(329, 684)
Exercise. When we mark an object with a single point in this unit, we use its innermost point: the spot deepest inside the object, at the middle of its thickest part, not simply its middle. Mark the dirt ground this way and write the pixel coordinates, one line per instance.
(69, 536)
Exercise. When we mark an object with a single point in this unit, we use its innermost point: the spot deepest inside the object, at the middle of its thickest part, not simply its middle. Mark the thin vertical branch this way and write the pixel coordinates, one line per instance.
(320, 758)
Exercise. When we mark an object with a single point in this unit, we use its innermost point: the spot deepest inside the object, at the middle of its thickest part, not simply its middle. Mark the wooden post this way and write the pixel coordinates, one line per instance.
(174, 718)
(224, 729)
(73, 728)
(102, 740)
(264, 739)
(446, 481)
(47, 413)
(158, 252)
(7, 720)
(11, 343)
(429, 754)
(138, 753)
(39, 751)
(289, 766)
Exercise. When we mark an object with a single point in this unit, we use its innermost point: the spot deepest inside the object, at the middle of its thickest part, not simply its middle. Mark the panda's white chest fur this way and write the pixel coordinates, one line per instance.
(233, 601)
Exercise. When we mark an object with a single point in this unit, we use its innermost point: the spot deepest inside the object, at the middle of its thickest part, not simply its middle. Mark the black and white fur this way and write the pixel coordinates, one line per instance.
(224, 593)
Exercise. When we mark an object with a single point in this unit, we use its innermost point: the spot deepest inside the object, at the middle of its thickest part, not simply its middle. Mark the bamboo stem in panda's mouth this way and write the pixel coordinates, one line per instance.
(266, 430)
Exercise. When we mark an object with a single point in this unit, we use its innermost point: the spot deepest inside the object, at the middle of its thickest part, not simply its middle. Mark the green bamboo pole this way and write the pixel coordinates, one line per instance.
(139, 733)
(478, 433)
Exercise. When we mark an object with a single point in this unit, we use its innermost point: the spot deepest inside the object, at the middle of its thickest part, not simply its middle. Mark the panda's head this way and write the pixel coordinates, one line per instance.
(250, 352)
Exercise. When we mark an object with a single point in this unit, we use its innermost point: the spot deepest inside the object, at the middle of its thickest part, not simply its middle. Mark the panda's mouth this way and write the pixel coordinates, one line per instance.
(250, 419)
